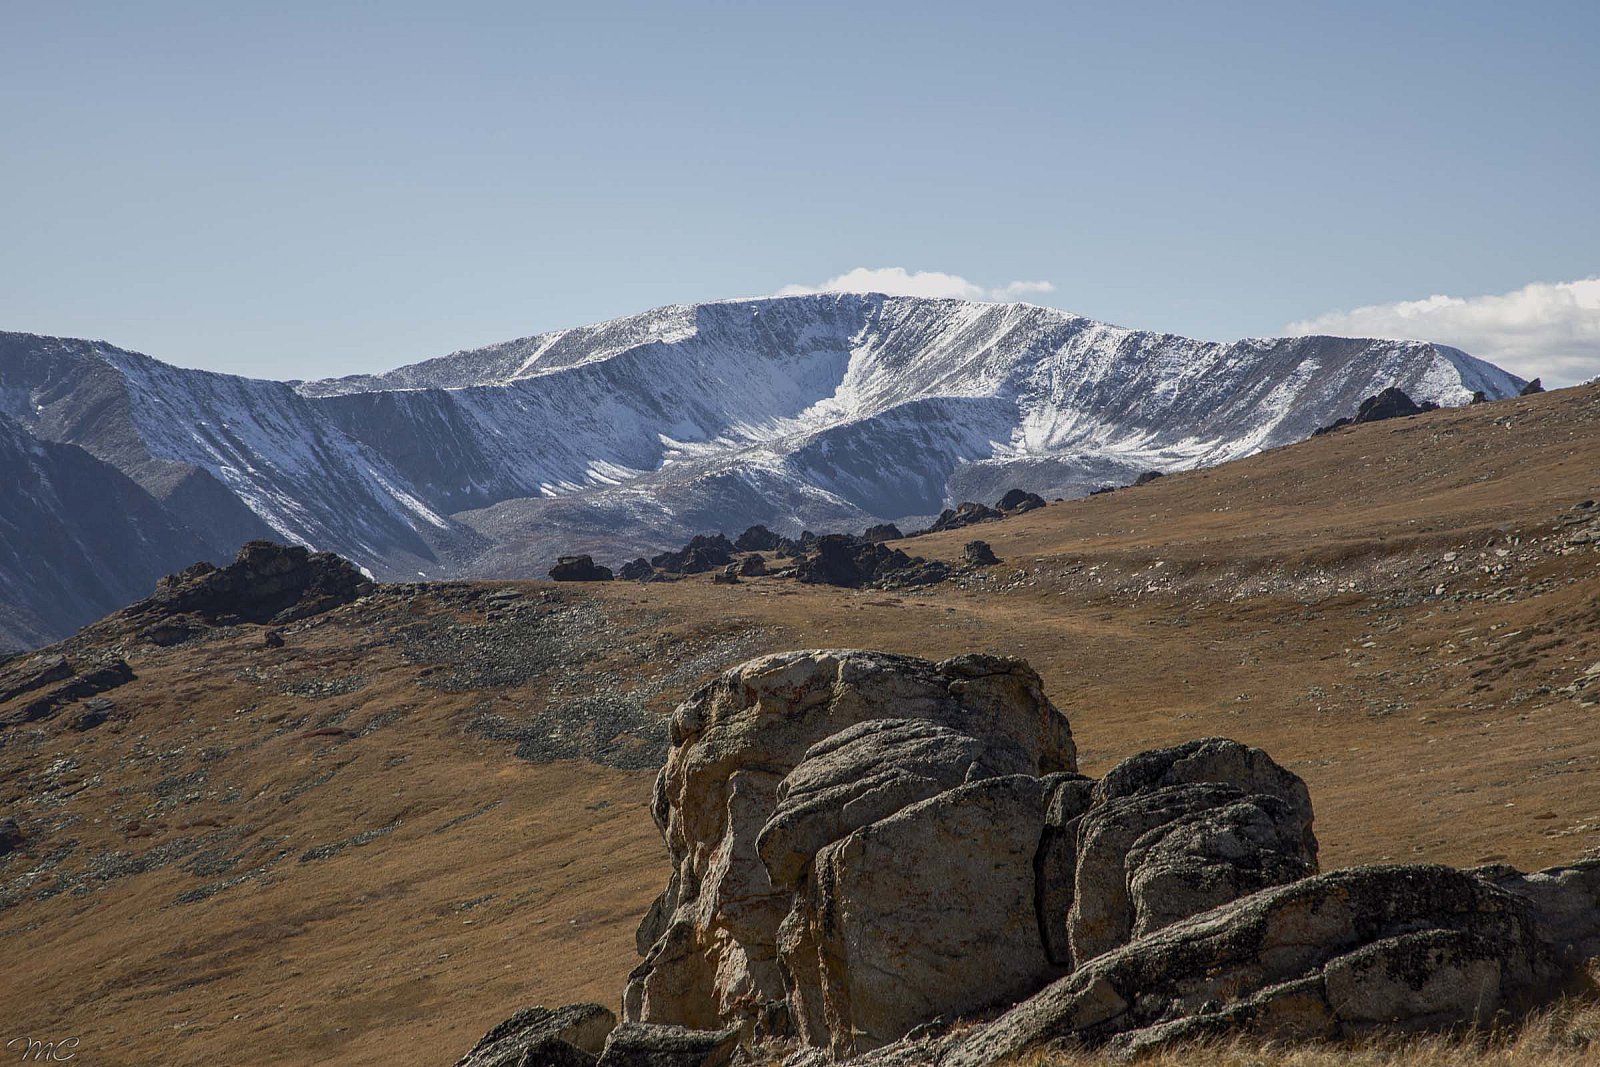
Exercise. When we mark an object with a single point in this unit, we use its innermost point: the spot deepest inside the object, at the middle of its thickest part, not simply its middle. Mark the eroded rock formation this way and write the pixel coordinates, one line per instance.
(711, 941)
(864, 845)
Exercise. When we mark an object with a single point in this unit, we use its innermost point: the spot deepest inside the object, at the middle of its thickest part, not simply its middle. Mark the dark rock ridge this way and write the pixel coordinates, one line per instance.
(1392, 403)
(76, 683)
(867, 847)
(268, 582)
(1532, 388)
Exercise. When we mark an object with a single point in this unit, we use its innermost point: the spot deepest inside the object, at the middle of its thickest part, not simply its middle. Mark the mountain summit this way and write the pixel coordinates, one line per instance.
(825, 411)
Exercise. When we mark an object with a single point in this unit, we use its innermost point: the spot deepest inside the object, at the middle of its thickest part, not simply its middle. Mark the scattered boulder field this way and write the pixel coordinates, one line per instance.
(868, 849)
(852, 561)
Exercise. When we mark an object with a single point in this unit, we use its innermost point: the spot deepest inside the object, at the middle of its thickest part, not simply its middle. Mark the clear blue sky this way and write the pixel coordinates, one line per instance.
(308, 189)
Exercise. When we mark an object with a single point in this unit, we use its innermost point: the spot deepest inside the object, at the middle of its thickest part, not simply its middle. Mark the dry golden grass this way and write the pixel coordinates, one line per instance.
(1565, 1036)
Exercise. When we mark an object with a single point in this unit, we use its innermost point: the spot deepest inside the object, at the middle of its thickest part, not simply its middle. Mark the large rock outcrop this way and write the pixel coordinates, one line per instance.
(268, 582)
(711, 941)
(864, 845)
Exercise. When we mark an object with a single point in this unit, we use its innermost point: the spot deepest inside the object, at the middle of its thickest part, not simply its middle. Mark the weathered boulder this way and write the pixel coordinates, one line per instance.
(979, 554)
(647, 1045)
(1533, 388)
(1147, 477)
(572, 1036)
(753, 566)
(966, 513)
(1017, 501)
(757, 539)
(636, 570)
(728, 575)
(1566, 906)
(579, 569)
(1391, 403)
(1210, 759)
(883, 531)
(1174, 832)
(710, 940)
(1398, 948)
(926, 913)
(704, 552)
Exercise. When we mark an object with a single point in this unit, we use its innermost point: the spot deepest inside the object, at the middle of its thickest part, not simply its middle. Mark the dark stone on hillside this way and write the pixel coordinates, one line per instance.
(1147, 477)
(1533, 387)
(884, 531)
(964, 514)
(753, 566)
(169, 632)
(1392, 403)
(89, 684)
(757, 539)
(636, 570)
(1479, 397)
(728, 575)
(844, 560)
(27, 676)
(838, 561)
(572, 1036)
(704, 552)
(11, 836)
(267, 582)
(97, 712)
(979, 554)
(1016, 501)
(921, 572)
(650, 1045)
(579, 569)
(1104, 489)
(272, 639)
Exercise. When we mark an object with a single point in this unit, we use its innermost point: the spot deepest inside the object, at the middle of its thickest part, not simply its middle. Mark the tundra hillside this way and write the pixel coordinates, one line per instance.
(370, 832)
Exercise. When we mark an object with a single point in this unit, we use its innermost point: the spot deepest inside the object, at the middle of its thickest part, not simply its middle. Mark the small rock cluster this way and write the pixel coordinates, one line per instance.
(866, 847)
(847, 560)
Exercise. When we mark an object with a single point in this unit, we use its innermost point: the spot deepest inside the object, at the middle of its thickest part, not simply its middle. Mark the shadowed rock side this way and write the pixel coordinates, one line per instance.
(867, 847)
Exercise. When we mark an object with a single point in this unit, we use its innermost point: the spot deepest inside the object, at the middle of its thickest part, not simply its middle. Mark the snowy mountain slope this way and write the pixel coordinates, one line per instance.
(824, 411)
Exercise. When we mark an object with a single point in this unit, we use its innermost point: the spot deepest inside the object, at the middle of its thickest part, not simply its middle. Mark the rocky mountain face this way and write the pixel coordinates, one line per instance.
(828, 412)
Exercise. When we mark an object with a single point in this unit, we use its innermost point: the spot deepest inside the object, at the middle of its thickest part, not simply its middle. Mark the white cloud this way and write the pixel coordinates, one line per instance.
(897, 281)
(1546, 330)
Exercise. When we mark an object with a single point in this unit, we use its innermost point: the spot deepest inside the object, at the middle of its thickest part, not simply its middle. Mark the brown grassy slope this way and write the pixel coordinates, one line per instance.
(1393, 611)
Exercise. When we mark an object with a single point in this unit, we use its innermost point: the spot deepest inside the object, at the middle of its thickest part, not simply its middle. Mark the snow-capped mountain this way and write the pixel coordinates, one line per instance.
(827, 411)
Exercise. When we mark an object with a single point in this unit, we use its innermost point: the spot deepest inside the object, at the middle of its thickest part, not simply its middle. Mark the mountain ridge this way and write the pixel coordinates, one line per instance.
(827, 411)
